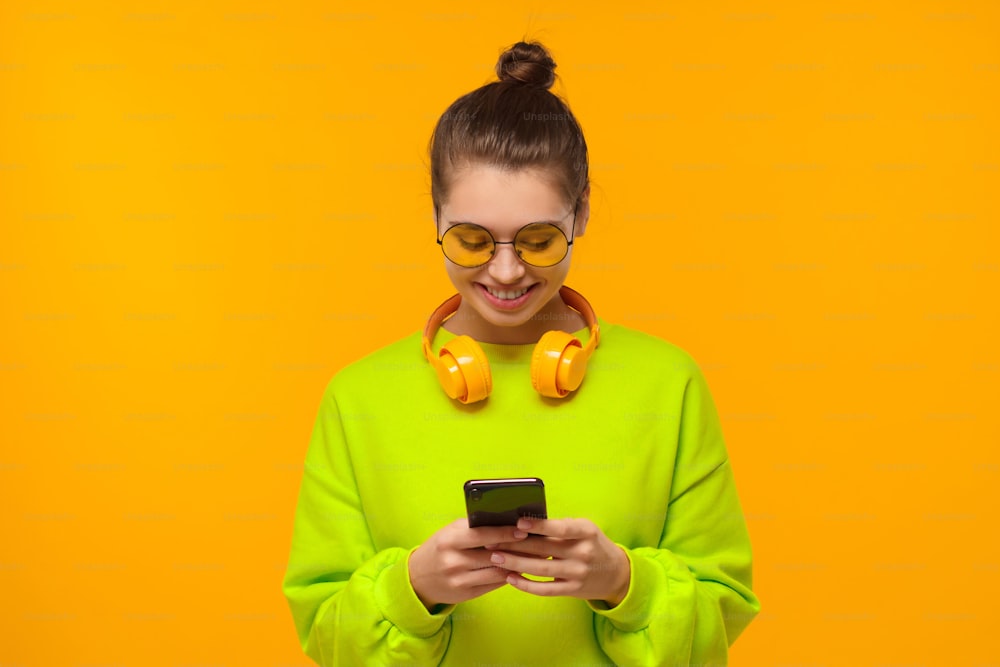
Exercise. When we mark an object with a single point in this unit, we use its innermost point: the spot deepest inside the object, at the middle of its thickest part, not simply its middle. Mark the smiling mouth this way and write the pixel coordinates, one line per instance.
(507, 295)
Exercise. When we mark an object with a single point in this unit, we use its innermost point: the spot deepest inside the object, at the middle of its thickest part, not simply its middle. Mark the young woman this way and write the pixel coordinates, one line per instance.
(645, 559)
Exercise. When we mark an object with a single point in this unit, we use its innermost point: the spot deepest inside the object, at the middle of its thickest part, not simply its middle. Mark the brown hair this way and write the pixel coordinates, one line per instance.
(513, 123)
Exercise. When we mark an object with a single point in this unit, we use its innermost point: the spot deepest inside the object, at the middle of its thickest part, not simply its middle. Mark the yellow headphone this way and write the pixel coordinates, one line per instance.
(557, 363)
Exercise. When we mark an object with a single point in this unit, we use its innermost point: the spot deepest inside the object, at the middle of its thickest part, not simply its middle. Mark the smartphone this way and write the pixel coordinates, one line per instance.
(501, 502)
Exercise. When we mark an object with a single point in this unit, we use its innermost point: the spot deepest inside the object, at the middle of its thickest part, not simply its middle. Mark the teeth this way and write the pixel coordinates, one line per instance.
(506, 295)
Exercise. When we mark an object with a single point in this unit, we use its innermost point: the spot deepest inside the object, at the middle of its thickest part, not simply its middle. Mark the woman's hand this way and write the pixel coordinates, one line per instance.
(575, 552)
(452, 566)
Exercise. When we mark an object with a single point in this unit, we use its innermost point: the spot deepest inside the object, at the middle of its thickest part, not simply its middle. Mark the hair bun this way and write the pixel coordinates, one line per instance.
(528, 63)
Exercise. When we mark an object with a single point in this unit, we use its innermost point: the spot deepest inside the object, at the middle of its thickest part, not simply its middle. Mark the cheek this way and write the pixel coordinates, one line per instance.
(558, 272)
(457, 275)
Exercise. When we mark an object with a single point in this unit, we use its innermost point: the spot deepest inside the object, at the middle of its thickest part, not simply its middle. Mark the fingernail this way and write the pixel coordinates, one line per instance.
(496, 558)
(524, 524)
(520, 533)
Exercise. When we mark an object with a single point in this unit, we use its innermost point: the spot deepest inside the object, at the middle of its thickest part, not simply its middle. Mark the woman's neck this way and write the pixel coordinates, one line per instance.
(555, 316)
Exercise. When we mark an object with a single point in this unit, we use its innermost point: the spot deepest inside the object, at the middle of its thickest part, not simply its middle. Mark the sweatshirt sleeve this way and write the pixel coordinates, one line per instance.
(690, 597)
(351, 604)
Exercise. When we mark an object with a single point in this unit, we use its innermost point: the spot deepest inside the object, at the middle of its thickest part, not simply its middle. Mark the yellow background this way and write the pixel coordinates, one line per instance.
(802, 195)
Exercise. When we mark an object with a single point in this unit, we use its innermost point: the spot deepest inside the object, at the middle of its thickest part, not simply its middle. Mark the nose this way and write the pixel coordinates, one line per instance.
(505, 266)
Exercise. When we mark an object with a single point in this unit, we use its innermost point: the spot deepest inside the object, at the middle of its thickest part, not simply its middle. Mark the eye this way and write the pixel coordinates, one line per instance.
(536, 242)
(473, 244)
(538, 238)
(471, 238)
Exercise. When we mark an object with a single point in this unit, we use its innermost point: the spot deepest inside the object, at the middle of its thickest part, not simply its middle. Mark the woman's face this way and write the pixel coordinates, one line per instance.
(507, 300)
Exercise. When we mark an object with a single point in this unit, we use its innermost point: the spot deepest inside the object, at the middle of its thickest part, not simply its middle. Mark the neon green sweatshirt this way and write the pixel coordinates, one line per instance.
(638, 450)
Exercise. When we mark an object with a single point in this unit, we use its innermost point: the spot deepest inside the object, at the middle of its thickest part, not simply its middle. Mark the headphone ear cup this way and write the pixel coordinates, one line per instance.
(465, 371)
(555, 369)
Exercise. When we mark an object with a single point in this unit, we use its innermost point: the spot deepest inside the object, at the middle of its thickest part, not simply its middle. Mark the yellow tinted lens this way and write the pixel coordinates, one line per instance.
(541, 244)
(467, 245)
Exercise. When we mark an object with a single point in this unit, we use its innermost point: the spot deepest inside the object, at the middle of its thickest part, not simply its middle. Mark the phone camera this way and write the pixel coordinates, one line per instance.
(475, 495)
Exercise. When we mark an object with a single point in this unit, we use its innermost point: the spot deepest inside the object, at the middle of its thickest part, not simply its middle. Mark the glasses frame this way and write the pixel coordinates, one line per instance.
(493, 252)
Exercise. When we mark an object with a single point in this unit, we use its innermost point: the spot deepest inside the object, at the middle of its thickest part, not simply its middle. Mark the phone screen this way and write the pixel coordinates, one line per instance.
(501, 502)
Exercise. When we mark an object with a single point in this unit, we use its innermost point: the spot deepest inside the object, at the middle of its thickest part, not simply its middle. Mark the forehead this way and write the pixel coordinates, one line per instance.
(492, 197)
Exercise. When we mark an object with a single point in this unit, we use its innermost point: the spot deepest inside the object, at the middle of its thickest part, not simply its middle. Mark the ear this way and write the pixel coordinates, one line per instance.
(583, 212)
